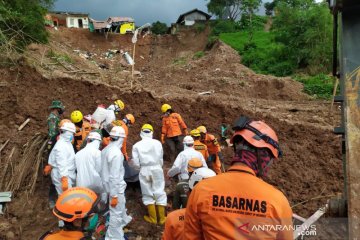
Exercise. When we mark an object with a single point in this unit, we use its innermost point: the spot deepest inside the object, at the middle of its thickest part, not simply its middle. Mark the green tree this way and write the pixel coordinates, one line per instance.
(225, 8)
(159, 28)
(248, 8)
(22, 22)
(304, 29)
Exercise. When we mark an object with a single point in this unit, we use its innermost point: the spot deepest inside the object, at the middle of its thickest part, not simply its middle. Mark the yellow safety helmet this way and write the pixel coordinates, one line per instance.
(165, 107)
(120, 104)
(147, 127)
(76, 116)
(195, 133)
(202, 129)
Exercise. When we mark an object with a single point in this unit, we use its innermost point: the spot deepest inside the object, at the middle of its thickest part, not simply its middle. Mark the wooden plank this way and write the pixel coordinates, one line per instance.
(4, 145)
(24, 124)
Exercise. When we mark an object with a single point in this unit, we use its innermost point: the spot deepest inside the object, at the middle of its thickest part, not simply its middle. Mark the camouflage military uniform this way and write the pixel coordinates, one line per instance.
(53, 129)
(180, 195)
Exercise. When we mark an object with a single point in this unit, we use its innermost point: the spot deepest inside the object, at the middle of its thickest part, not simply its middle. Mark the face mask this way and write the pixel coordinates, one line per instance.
(67, 136)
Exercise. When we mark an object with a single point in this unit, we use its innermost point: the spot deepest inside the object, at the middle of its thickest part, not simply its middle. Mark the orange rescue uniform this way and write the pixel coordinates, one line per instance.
(237, 205)
(214, 148)
(81, 134)
(64, 235)
(173, 125)
(174, 225)
(126, 128)
(202, 148)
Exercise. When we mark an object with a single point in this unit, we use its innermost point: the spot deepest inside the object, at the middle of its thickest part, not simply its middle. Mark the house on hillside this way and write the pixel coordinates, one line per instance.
(195, 15)
(68, 19)
(189, 19)
(120, 25)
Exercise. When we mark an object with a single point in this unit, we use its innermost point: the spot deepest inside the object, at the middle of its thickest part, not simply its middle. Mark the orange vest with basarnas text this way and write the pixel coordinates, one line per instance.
(237, 205)
(174, 225)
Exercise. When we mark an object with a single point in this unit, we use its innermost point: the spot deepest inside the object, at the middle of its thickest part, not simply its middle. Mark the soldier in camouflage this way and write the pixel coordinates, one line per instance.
(57, 109)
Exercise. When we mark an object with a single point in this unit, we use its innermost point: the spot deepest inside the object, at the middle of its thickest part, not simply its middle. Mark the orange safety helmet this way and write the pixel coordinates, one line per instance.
(64, 121)
(75, 203)
(194, 164)
(258, 134)
(130, 117)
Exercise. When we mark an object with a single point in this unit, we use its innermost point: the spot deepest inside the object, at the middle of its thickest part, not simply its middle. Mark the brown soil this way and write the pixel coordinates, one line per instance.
(311, 165)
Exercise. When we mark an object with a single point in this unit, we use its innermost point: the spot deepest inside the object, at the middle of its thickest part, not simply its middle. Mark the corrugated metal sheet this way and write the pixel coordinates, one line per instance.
(119, 19)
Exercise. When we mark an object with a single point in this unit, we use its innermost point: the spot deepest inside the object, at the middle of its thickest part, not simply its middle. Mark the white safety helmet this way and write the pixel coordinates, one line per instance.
(94, 135)
(188, 140)
(200, 174)
(117, 131)
(68, 126)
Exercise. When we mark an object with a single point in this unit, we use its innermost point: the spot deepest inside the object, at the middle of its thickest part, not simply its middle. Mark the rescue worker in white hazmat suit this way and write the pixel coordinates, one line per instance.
(62, 159)
(180, 165)
(88, 164)
(112, 175)
(148, 156)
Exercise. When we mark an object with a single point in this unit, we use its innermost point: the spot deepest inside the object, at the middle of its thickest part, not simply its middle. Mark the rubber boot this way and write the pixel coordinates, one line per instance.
(152, 214)
(161, 214)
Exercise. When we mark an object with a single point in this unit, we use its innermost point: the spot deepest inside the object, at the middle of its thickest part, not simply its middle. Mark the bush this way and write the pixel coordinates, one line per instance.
(320, 86)
(198, 55)
(224, 26)
(22, 22)
(258, 22)
(200, 27)
(159, 28)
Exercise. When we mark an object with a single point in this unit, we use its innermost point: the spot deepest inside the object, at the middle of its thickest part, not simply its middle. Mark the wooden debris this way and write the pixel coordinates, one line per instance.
(206, 93)
(24, 124)
(4, 145)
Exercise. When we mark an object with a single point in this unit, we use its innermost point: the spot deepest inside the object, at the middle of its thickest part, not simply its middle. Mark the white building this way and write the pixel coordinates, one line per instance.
(70, 19)
(189, 18)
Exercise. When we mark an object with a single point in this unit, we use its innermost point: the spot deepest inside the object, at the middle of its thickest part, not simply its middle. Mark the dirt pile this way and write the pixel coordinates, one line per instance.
(311, 165)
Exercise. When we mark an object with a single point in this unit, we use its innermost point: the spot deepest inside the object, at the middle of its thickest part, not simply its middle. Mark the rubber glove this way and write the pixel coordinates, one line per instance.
(64, 183)
(113, 202)
(162, 138)
(47, 170)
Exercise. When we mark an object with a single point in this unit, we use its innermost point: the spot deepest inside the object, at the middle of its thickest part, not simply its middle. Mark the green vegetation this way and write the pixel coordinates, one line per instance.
(159, 28)
(59, 57)
(200, 27)
(319, 86)
(299, 41)
(22, 22)
(198, 55)
(180, 61)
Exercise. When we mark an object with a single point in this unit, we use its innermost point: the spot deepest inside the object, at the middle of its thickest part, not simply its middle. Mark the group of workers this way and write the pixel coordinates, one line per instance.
(87, 165)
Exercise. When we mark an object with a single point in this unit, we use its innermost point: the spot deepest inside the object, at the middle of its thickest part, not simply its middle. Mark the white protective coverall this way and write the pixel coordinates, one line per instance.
(180, 165)
(148, 156)
(110, 115)
(62, 160)
(112, 175)
(88, 166)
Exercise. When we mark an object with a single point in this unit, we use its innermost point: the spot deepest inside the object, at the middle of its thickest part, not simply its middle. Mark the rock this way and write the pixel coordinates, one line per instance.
(114, 97)
(10, 235)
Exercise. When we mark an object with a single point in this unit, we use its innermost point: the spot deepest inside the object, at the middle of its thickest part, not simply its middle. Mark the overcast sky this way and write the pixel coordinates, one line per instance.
(142, 11)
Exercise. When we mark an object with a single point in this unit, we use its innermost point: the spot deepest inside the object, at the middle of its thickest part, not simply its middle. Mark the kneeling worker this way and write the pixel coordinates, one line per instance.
(174, 225)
